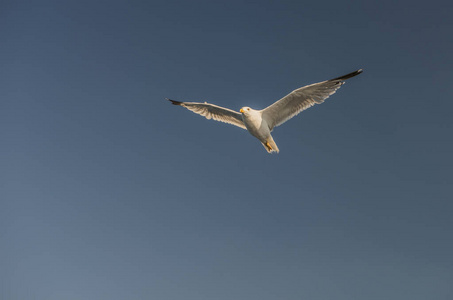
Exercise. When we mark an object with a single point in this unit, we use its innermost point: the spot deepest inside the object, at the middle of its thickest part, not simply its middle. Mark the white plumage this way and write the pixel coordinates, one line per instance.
(260, 123)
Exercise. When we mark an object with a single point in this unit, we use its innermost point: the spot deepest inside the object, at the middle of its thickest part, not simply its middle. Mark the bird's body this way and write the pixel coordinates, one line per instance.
(259, 128)
(260, 123)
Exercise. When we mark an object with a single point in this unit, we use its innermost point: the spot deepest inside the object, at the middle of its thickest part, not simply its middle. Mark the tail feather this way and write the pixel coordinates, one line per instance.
(270, 145)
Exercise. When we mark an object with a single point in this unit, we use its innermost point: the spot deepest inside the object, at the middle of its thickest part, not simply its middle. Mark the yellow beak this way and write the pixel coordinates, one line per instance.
(241, 110)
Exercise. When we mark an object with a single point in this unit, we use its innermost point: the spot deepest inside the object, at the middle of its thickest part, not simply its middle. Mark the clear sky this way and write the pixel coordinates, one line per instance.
(109, 192)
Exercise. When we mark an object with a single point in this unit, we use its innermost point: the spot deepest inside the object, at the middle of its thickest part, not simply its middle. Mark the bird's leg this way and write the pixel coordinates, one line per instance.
(268, 146)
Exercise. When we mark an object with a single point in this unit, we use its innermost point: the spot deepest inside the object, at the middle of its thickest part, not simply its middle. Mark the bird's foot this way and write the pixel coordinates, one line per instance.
(268, 146)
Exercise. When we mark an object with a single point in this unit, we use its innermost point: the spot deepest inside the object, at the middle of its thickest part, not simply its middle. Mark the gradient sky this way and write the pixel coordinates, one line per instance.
(109, 192)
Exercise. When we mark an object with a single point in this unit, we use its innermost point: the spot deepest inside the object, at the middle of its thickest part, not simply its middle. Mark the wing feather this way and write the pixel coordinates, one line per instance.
(211, 111)
(302, 98)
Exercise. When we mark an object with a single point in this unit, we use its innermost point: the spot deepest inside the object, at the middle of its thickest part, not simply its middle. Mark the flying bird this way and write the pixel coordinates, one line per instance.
(260, 123)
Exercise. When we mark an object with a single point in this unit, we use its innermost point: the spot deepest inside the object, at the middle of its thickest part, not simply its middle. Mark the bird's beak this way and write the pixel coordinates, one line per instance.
(241, 110)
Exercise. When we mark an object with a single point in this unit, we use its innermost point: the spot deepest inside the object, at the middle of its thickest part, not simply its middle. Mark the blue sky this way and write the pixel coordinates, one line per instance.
(109, 192)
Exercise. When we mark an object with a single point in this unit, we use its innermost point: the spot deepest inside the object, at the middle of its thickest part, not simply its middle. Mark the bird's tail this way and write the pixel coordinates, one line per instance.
(270, 145)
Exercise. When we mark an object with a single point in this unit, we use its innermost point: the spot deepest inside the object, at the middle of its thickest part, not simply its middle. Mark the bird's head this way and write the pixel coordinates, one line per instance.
(245, 110)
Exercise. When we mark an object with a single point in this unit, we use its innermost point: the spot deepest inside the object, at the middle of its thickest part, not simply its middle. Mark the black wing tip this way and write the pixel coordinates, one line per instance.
(350, 75)
(174, 102)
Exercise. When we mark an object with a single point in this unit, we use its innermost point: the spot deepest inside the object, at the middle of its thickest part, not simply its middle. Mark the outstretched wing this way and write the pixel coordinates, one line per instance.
(211, 111)
(301, 99)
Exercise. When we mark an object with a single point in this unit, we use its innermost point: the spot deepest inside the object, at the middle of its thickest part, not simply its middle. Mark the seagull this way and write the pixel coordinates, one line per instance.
(260, 123)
